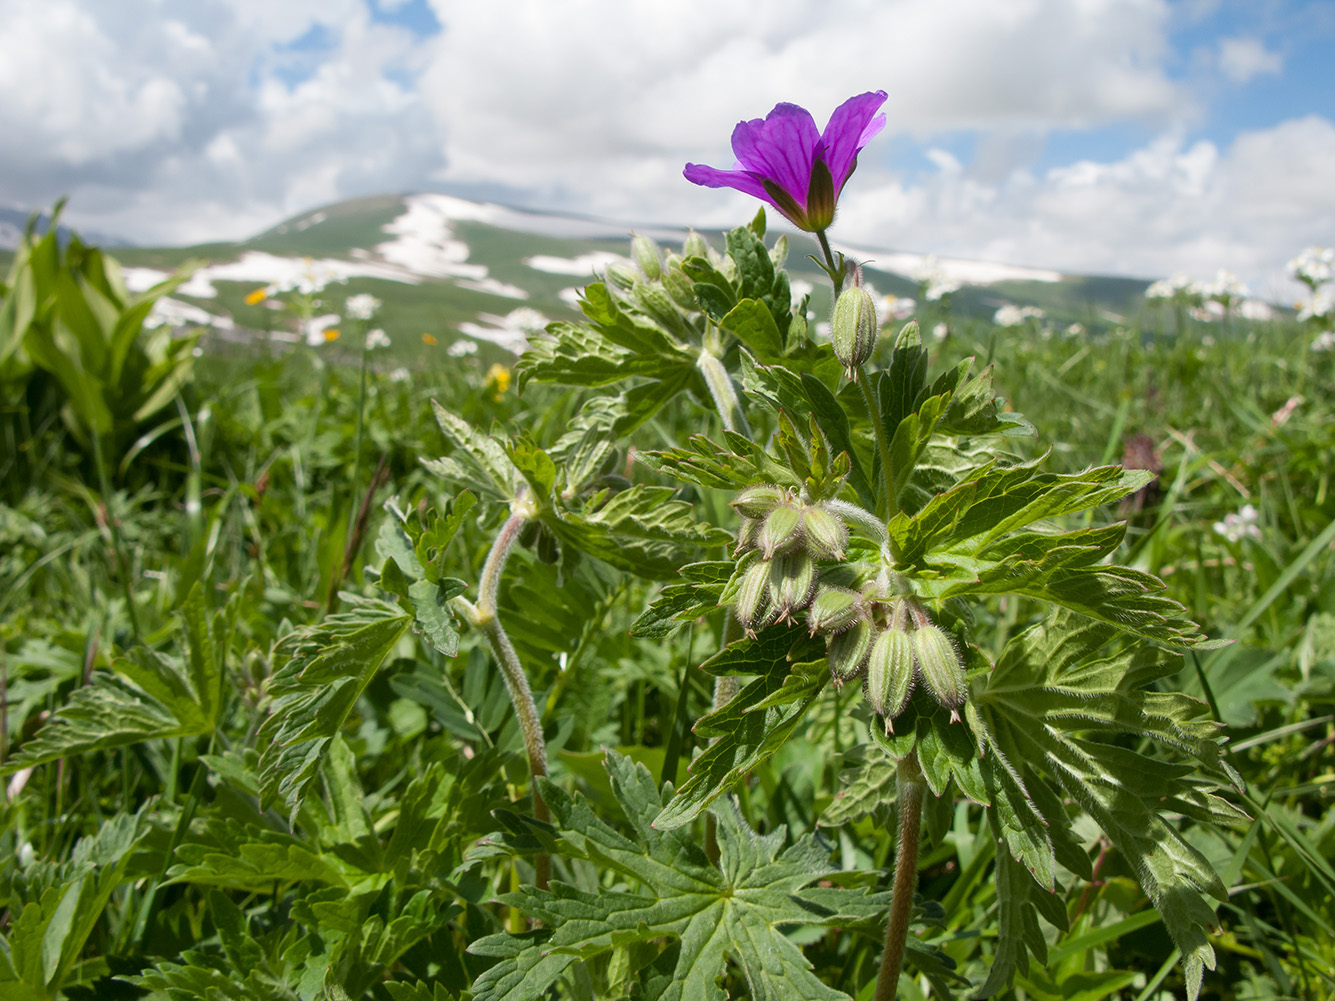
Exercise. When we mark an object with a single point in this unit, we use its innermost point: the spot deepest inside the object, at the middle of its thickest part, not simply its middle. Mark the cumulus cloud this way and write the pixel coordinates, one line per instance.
(217, 118)
(1168, 206)
(210, 122)
(1240, 59)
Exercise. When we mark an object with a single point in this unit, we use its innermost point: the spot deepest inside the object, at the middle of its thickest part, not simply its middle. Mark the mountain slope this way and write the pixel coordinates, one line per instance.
(445, 266)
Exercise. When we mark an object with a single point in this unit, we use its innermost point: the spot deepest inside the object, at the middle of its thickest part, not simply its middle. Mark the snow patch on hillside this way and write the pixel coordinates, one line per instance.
(583, 266)
(911, 266)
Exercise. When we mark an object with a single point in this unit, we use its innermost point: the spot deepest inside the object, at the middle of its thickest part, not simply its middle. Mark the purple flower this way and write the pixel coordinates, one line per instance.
(783, 160)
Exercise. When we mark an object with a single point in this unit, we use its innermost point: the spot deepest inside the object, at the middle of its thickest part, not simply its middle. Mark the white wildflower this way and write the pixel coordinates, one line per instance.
(400, 375)
(1075, 330)
(940, 332)
(1256, 310)
(895, 307)
(1226, 289)
(321, 329)
(1178, 287)
(1314, 266)
(376, 338)
(461, 347)
(1014, 316)
(1245, 524)
(362, 306)
(1319, 306)
(1325, 341)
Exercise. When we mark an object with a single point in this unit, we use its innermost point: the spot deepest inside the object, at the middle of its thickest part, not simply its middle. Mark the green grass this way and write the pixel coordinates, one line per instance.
(249, 491)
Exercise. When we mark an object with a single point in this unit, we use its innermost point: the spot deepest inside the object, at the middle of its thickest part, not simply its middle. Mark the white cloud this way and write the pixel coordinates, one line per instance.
(1166, 207)
(1240, 59)
(217, 118)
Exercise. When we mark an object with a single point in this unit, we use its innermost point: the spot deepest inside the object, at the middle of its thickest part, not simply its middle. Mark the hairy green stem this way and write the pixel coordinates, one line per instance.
(483, 616)
(890, 507)
(911, 785)
(727, 404)
(835, 271)
(726, 687)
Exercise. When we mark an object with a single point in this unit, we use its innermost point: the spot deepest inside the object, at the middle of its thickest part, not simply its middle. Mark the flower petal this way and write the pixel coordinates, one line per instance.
(712, 177)
(780, 147)
(853, 125)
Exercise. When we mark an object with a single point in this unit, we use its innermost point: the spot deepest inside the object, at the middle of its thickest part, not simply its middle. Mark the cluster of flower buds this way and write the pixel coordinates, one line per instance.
(892, 643)
(782, 538)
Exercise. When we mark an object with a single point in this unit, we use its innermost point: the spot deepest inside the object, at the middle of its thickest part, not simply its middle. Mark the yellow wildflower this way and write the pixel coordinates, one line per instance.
(257, 297)
(498, 380)
(331, 334)
(429, 340)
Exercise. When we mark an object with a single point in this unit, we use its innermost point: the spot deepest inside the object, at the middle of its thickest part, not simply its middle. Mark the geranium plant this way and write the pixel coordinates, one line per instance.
(876, 512)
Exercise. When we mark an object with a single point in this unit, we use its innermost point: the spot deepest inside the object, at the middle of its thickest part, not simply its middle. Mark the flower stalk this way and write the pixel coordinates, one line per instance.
(889, 504)
(727, 404)
(911, 786)
(483, 616)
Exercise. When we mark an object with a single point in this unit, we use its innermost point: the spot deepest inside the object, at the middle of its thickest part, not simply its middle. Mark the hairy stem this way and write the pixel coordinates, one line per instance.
(726, 687)
(727, 404)
(890, 505)
(861, 519)
(835, 271)
(483, 616)
(911, 786)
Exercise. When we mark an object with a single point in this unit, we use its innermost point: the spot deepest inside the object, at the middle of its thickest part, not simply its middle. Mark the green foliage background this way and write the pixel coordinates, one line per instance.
(282, 779)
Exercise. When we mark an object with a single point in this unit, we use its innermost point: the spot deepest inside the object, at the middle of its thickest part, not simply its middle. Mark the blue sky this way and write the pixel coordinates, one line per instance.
(1136, 137)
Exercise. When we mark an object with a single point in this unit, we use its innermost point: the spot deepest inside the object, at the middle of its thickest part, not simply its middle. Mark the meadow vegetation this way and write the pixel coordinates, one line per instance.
(258, 724)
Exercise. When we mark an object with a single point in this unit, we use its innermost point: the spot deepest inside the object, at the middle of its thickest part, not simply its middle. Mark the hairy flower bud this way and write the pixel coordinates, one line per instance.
(746, 536)
(890, 674)
(621, 276)
(645, 253)
(853, 329)
(826, 535)
(758, 501)
(753, 595)
(940, 667)
(694, 245)
(847, 652)
(782, 530)
(792, 580)
(833, 610)
(678, 285)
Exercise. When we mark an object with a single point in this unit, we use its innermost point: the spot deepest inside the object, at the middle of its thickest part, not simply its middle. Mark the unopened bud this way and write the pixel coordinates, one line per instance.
(678, 286)
(848, 651)
(833, 610)
(645, 253)
(752, 595)
(746, 535)
(758, 501)
(853, 329)
(621, 276)
(826, 535)
(792, 579)
(940, 667)
(890, 673)
(694, 246)
(782, 530)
